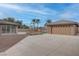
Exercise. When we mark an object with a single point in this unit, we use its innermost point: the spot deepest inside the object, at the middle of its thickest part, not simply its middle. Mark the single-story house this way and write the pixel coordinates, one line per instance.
(63, 27)
(8, 27)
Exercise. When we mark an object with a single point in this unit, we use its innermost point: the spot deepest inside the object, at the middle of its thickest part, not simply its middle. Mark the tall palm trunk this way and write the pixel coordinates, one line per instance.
(37, 26)
(34, 26)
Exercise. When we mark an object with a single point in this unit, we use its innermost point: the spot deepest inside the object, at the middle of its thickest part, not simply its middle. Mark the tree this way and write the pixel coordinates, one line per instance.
(34, 22)
(25, 26)
(10, 19)
(20, 23)
(37, 21)
(48, 21)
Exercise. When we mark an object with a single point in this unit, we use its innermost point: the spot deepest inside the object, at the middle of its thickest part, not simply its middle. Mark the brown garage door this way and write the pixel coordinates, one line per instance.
(62, 29)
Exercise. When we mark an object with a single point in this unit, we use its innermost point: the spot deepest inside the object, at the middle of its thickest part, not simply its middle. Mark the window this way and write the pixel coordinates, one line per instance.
(8, 28)
(3, 28)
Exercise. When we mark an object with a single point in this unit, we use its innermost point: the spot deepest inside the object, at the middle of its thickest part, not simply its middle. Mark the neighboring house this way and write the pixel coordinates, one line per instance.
(63, 27)
(8, 27)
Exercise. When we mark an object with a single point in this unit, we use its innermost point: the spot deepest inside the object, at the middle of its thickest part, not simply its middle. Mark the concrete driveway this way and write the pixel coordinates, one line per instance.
(45, 45)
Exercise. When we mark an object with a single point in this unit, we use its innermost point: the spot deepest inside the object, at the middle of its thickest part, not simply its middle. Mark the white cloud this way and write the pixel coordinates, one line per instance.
(71, 11)
(42, 10)
(2, 15)
(10, 6)
(68, 15)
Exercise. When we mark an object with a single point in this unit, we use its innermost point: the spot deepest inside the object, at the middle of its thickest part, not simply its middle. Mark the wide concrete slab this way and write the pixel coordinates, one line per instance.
(45, 45)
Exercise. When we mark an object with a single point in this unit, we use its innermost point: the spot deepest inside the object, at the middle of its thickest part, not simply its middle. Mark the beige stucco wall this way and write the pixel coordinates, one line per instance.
(63, 29)
(74, 29)
(78, 29)
(49, 29)
(11, 29)
(0, 29)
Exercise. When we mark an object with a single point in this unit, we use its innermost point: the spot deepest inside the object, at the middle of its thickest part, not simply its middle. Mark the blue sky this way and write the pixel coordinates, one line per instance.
(27, 12)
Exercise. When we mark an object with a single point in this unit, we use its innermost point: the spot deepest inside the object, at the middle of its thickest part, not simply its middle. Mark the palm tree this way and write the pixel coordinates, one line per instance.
(37, 21)
(34, 22)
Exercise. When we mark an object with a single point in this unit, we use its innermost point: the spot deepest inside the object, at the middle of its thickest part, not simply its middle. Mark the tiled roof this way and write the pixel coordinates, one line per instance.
(62, 22)
(8, 23)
